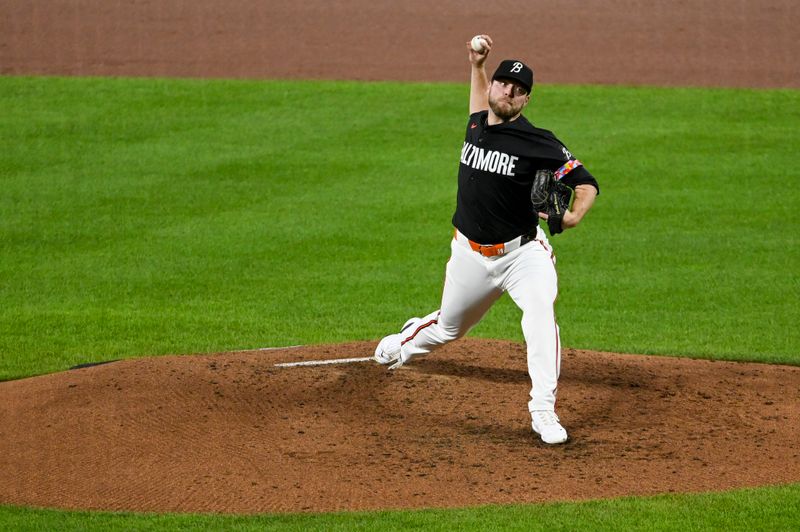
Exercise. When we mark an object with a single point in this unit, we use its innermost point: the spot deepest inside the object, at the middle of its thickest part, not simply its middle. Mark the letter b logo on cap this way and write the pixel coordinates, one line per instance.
(516, 70)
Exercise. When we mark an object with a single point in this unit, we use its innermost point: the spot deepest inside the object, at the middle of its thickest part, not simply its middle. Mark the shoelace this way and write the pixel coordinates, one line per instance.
(547, 417)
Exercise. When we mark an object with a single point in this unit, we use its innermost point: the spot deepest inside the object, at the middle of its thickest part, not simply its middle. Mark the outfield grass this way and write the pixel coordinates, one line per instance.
(144, 217)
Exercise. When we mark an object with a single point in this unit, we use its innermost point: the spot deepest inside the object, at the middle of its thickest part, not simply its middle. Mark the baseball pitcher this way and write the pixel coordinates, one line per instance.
(511, 175)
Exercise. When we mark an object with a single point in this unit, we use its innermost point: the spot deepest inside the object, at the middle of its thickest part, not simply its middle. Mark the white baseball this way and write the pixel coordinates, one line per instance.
(478, 43)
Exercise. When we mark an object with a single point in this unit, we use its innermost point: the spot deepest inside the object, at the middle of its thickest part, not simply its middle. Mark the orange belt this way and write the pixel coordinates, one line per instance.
(487, 250)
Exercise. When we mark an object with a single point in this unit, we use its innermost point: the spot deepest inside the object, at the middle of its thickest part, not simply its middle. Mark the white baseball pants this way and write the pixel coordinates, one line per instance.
(473, 283)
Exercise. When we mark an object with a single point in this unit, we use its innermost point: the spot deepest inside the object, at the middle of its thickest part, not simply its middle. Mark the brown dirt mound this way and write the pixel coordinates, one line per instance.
(234, 433)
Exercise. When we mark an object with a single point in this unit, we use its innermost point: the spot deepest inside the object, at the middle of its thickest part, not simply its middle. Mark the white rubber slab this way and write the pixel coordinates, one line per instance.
(323, 362)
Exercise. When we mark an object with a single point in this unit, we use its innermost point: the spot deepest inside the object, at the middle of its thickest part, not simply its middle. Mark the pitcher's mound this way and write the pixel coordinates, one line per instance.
(234, 433)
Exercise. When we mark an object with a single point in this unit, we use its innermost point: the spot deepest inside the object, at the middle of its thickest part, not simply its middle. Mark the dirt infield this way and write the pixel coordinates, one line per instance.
(233, 433)
(737, 43)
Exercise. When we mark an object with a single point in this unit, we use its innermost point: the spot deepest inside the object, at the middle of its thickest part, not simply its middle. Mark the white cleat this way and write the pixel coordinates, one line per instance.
(546, 424)
(388, 350)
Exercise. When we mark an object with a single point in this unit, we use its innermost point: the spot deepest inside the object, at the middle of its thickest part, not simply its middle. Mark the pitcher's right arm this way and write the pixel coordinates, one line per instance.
(479, 81)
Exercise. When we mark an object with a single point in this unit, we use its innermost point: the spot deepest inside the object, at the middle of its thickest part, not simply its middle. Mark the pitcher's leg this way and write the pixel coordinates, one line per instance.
(544, 359)
(533, 285)
(469, 291)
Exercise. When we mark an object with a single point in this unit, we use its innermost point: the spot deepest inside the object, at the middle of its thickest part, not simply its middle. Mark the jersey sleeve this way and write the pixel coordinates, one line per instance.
(568, 169)
(571, 171)
(579, 175)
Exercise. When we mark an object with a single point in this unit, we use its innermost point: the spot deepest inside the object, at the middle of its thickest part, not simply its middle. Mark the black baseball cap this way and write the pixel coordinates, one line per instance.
(516, 70)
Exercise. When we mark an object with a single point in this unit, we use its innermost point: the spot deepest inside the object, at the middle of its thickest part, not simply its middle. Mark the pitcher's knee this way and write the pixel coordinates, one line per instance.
(451, 333)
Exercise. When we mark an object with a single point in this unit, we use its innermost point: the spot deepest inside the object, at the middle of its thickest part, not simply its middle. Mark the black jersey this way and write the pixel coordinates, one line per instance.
(498, 164)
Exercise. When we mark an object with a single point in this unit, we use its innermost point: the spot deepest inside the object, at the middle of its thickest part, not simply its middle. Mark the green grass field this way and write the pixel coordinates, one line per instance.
(762, 509)
(145, 217)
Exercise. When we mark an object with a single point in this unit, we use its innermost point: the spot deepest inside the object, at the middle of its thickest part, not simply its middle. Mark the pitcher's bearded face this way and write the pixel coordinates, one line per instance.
(507, 98)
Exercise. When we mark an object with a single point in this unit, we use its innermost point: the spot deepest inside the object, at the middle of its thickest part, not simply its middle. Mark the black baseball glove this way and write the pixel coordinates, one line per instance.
(550, 196)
